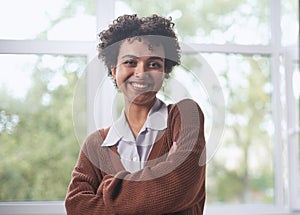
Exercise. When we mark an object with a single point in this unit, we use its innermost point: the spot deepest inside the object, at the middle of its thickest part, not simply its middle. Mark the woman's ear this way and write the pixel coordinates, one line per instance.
(113, 72)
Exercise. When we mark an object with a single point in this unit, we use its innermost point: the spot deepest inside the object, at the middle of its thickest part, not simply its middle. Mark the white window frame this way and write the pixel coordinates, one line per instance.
(291, 56)
(104, 15)
(73, 48)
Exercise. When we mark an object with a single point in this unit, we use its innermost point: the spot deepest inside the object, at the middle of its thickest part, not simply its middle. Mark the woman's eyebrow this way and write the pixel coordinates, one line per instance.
(150, 57)
(129, 56)
(156, 58)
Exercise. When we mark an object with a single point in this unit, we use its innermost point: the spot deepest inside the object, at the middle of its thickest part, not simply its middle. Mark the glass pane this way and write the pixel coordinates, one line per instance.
(290, 22)
(241, 171)
(216, 21)
(37, 141)
(48, 19)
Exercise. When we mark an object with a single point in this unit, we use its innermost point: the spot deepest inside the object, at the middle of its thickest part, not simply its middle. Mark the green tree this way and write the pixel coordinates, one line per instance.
(248, 130)
(40, 149)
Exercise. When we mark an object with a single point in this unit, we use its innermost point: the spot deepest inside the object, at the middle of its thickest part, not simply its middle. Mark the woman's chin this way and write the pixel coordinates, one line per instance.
(142, 99)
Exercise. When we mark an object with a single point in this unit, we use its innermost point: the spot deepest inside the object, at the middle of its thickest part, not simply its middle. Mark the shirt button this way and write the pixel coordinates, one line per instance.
(135, 159)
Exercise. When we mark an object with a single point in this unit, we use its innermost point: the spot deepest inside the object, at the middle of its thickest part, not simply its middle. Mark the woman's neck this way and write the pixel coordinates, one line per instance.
(137, 114)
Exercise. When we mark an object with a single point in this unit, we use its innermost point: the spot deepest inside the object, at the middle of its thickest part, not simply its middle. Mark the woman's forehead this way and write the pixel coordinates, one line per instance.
(141, 47)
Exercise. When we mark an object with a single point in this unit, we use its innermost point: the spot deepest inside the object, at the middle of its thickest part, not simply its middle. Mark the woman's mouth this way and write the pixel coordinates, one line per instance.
(139, 86)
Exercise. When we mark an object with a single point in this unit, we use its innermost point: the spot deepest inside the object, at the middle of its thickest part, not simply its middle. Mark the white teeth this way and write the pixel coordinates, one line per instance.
(137, 85)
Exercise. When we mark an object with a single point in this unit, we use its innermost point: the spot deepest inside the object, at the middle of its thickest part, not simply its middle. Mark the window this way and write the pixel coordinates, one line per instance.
(41, 66)
(250, 47)
(246, 156)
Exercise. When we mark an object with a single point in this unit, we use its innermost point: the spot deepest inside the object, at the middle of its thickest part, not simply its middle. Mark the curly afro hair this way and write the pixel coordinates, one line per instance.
(131, 26)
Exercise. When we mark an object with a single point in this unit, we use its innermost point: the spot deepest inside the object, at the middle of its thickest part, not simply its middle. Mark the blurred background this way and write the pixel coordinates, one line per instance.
(250, 45)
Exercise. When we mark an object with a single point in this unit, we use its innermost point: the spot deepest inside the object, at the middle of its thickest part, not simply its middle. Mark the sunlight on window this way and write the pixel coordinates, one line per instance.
(289, 22)
(16, 73)
(52, 20)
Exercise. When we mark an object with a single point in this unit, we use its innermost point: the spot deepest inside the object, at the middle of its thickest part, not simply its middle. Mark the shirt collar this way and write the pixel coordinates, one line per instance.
(156, 120)
(157, 117)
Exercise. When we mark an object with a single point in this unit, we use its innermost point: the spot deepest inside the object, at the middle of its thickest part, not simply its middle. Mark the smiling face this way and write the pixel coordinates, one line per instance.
(139, 72)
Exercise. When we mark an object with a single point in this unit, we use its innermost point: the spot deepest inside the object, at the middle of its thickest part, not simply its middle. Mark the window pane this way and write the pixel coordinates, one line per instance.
(216, 21)
(37, 141)
(290, 22)
(48, 19)
(242, 169)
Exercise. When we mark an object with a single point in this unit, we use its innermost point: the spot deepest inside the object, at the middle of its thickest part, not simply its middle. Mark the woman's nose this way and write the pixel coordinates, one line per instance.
(140, 70)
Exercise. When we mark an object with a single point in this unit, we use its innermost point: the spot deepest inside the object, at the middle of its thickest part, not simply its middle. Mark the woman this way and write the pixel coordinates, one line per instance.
(146, 162)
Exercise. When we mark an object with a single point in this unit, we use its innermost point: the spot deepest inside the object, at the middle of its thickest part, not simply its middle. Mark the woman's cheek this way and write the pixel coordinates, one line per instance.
(122, 76)
(159, 78)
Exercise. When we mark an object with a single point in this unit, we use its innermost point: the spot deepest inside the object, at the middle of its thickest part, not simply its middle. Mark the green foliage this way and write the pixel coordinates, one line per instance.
(203, 16)
(40, 152)
(247, 132)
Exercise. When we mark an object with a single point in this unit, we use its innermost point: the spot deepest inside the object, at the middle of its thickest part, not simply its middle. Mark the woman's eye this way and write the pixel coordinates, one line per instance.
(155, 65)
(130, 63)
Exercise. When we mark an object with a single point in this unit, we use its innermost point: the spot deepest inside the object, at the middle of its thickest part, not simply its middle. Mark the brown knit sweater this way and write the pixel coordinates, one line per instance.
(172, 181)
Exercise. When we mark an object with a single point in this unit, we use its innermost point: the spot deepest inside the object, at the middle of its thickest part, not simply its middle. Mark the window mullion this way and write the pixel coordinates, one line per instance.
(190, 48)
(276, 102)
(291, 56)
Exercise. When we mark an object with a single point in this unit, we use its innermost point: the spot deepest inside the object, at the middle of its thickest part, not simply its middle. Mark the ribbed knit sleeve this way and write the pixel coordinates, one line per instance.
(83, 196)
(173, 181)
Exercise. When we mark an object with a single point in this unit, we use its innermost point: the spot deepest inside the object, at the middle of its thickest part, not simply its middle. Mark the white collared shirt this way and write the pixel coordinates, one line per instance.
(133, 151)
